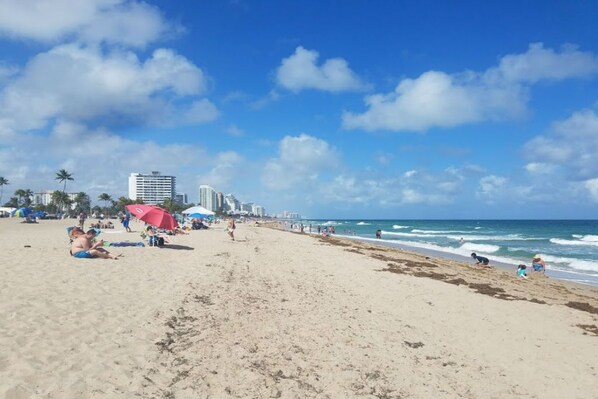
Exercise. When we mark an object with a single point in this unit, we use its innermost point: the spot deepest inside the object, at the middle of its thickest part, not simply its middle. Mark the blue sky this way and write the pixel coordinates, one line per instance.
(333, 109)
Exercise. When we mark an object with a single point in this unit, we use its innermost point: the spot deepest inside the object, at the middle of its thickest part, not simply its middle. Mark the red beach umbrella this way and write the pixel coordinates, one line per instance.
(153, 215)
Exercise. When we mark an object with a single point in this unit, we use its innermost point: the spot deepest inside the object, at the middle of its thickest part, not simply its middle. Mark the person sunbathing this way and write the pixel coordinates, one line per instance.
(83, 247)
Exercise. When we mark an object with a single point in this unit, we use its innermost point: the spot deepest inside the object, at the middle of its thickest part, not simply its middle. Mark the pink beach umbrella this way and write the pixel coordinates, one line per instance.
(153, 215)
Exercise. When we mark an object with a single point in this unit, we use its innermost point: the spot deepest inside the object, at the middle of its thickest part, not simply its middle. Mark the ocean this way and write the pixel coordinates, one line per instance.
(569, 247)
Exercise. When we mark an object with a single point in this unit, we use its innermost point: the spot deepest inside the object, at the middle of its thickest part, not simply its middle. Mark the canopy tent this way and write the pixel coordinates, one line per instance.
(200, 210)
(199, 216)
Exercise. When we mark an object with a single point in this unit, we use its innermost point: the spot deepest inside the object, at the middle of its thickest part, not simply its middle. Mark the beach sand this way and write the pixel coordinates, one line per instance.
(281, 315)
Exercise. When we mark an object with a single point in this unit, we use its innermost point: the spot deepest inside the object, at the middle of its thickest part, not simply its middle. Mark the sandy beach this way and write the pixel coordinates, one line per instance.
(281, 315)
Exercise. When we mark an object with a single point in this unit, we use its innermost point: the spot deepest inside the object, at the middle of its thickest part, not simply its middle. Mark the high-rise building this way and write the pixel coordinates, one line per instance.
(151, 189)
(45, 197)
(258, 210)
(220, 200)
(247, 207)
(181, 199)
(231, 204)
(208, 198)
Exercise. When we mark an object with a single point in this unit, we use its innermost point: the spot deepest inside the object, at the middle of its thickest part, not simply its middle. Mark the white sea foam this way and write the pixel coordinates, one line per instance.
(552, 262)
(485, 248)
(394, 233)
(560, 241)
(590, 238)
(579, 264)
(396, 226)
(510, 237)
(461, 251)
(438, 231)
(363, 224)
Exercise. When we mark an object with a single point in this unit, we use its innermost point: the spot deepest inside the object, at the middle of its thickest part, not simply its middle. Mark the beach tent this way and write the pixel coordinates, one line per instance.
(38, 214)
(22, 212)
(199, 210)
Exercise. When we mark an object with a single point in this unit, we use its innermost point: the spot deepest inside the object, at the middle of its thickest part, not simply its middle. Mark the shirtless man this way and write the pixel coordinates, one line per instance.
(231, 228)
(83, 248)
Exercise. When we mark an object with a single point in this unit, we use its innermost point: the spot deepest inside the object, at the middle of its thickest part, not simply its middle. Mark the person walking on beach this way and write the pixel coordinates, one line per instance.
(480, 259)
(538, 264)
(231, 228)
(82, 220)
(126, 220)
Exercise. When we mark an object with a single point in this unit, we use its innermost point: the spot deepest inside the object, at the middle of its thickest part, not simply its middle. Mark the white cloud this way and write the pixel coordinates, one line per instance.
(571, 143)
(235, 131)
(83, 83)
(592, 186)
(201, 111)
(540, 63)
(300, 71)
(540, 168)
(228, 165)
(438, 99)
(99, 160)
(300, 161)
(123, 22)
(427, 188)
(491, 187)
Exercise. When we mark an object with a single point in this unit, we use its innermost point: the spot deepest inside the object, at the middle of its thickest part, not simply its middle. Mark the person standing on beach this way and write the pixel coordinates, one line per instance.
(231, 228)
(378, 233)
(82, 220)
(126, 220)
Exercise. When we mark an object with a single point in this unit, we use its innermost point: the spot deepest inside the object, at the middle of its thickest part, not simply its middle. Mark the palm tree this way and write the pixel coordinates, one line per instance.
(60, 199)
(24, 197)
(83, 203)
(63, 175)
(105, 197)
(3, 182)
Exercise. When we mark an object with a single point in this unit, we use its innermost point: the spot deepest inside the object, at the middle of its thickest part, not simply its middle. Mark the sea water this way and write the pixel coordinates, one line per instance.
(569, 247)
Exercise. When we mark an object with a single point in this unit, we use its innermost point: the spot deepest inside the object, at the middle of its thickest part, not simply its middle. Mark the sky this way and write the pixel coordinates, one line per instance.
(333, 109)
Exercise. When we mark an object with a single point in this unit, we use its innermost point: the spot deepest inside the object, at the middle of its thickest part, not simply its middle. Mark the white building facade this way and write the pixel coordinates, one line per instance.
(151, 189)
(258, 210)
(45, 197)
(208, 198)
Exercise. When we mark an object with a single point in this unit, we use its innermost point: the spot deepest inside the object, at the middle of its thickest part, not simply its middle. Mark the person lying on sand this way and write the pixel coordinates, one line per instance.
(83, 247)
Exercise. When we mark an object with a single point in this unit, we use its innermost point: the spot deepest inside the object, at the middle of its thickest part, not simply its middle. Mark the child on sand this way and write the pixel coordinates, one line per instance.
(521, 271)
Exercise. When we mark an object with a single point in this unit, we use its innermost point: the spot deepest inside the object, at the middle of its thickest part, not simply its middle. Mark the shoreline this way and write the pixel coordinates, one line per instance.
(559, 274)
(556, 274)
